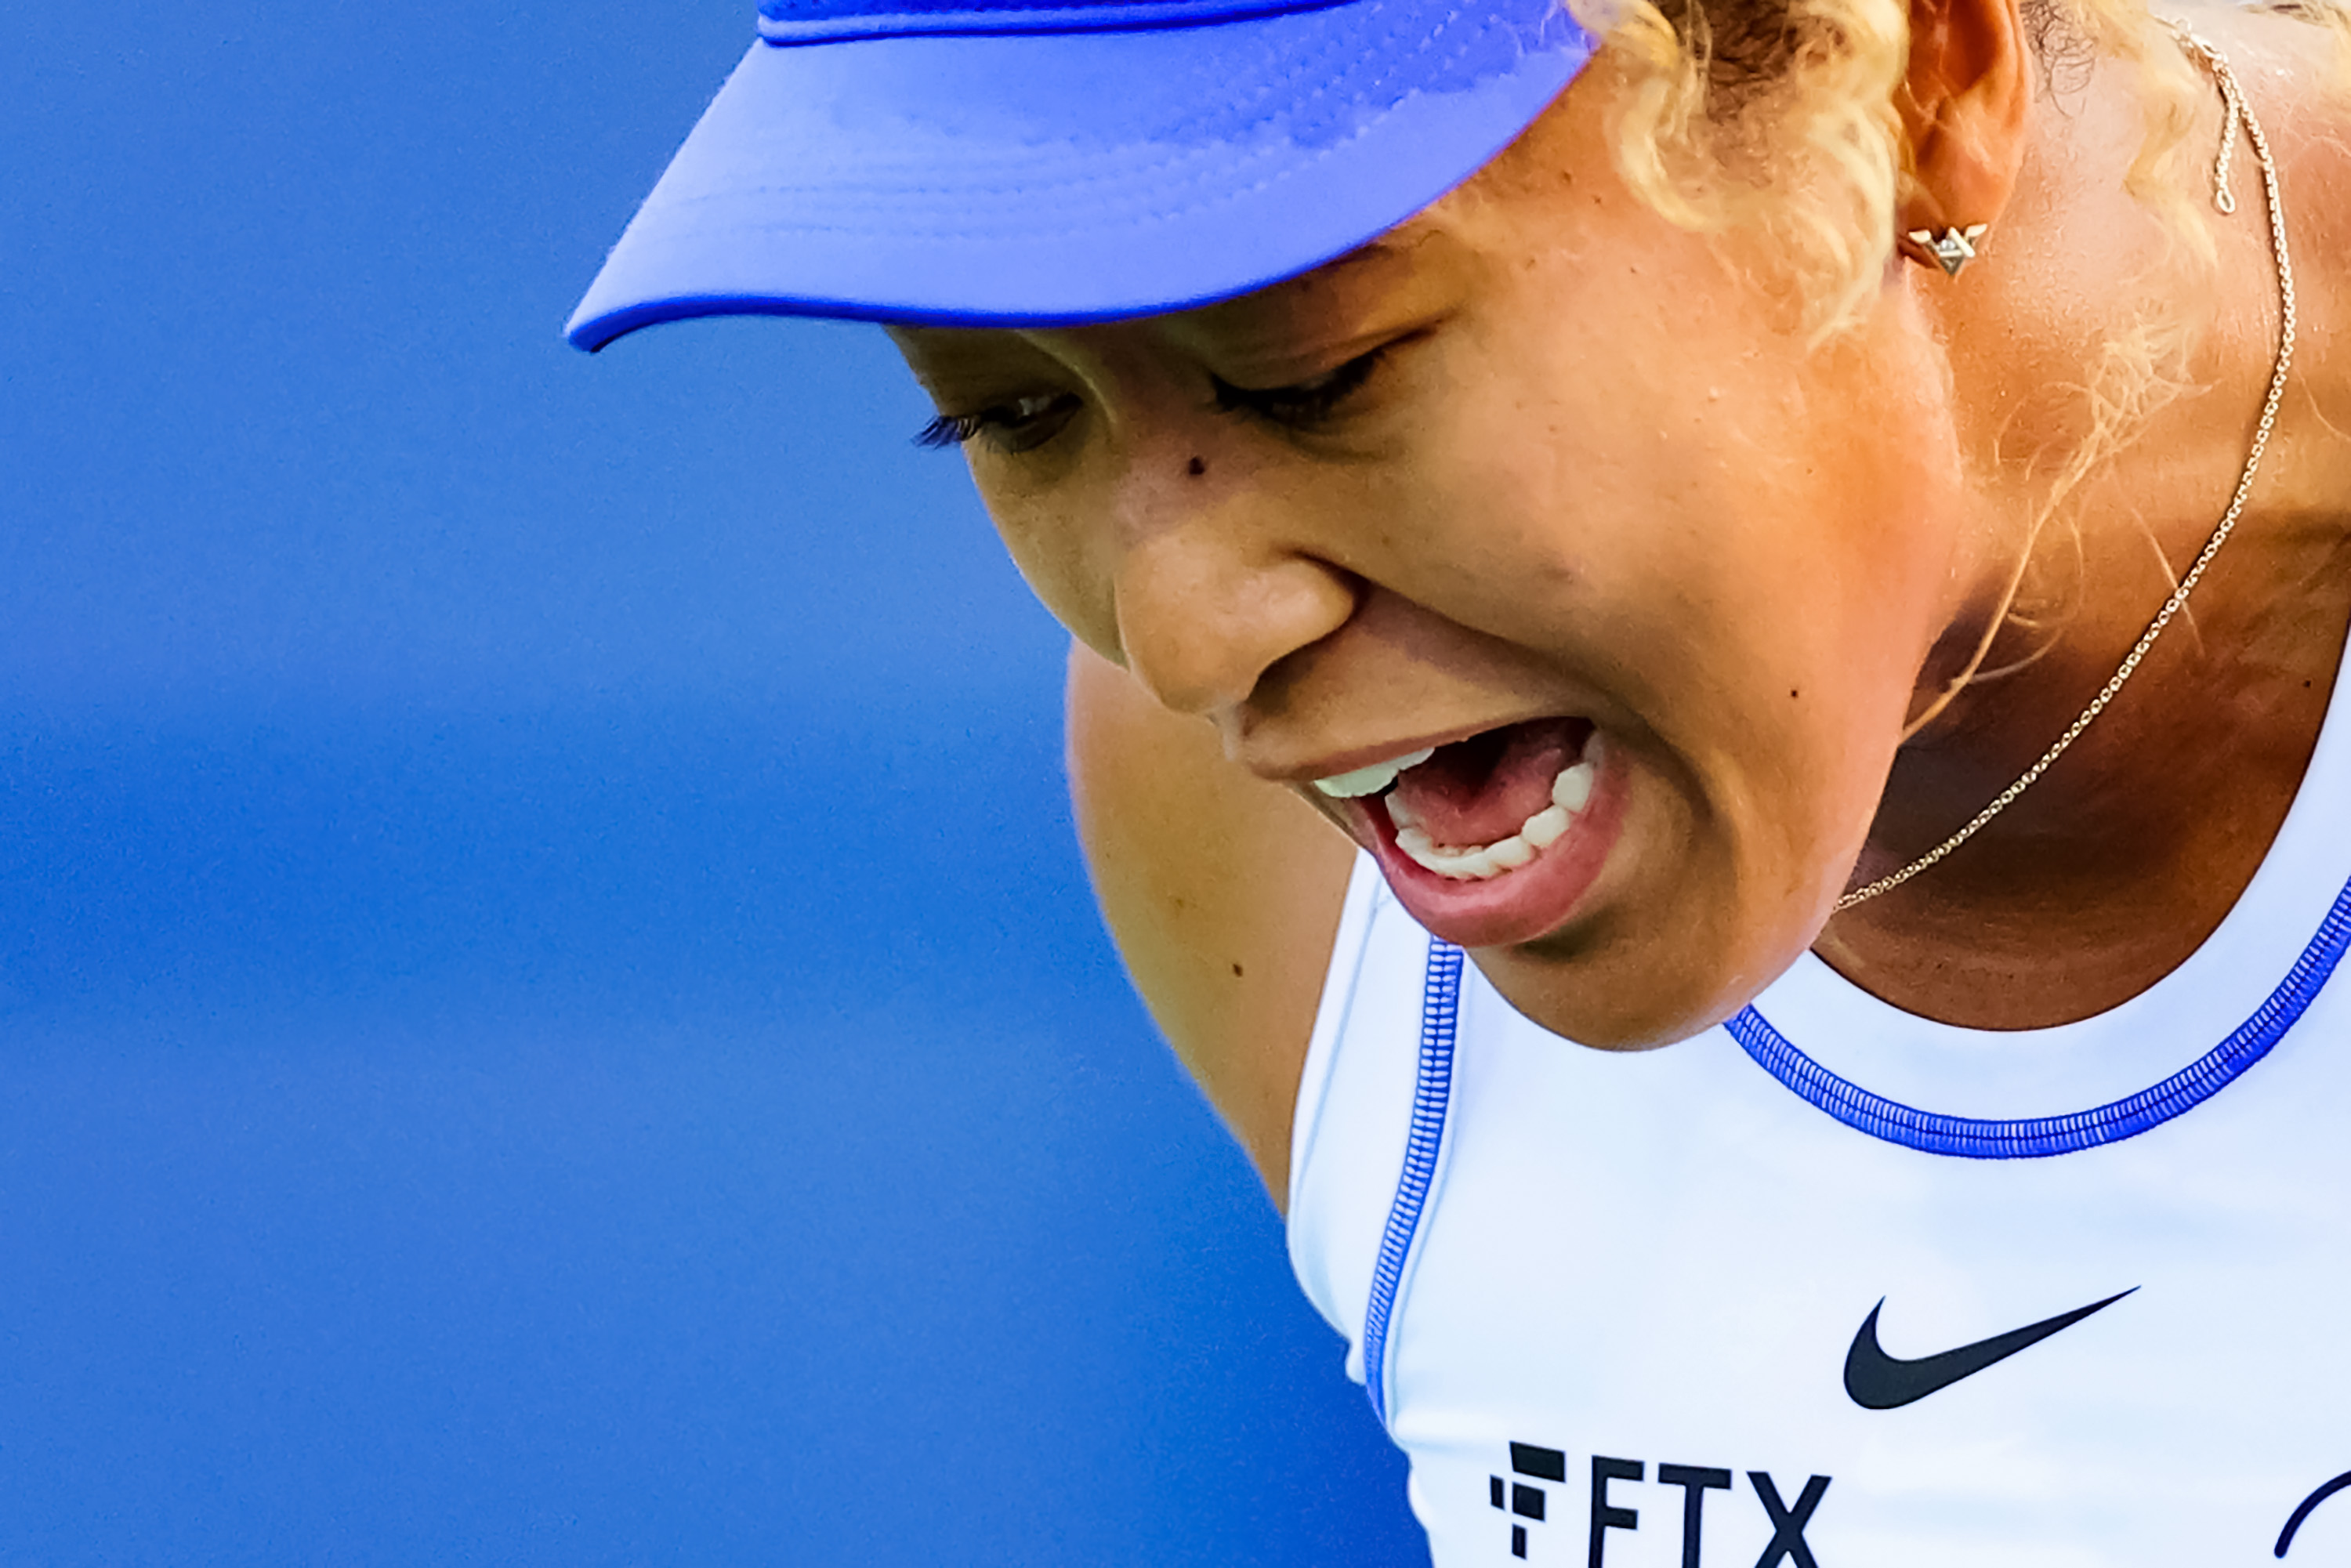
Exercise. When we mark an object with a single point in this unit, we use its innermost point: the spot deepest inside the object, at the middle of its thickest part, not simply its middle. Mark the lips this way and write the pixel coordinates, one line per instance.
(1495, 838)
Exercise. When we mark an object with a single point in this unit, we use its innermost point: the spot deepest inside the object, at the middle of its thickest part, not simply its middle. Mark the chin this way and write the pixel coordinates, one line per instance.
(1616, 986)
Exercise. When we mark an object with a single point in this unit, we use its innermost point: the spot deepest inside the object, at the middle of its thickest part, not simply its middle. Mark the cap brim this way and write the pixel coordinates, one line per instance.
(1066, 177)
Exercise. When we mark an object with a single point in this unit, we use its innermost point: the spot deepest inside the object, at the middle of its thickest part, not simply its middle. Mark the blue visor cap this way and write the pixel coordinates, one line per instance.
(996, 162)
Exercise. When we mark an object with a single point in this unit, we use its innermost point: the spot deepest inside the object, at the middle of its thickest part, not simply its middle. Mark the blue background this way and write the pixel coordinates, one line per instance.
(547, 1009)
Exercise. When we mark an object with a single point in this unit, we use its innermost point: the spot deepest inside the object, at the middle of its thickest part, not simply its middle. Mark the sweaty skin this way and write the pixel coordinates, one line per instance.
(1541, 454)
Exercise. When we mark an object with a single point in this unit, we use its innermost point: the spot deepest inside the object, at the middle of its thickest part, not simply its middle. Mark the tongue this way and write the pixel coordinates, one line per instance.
(1483, 789)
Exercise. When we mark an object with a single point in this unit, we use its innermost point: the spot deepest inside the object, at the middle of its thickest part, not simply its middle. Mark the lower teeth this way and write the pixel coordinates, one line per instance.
(1482, 863)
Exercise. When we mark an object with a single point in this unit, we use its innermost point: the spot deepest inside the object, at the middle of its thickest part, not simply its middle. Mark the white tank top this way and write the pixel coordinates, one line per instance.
(1834, 1286)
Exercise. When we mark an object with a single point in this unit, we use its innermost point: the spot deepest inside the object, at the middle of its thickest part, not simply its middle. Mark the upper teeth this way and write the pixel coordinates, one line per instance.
(1479, 863)
(1372, 778)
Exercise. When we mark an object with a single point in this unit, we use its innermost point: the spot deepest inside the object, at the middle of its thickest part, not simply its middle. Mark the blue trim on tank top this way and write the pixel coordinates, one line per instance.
(1969, 1137)
(2039, 1137)
(1440, 1006)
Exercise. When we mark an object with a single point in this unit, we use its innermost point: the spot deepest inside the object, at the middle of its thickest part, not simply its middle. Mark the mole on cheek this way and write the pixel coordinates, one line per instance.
(1198, 466)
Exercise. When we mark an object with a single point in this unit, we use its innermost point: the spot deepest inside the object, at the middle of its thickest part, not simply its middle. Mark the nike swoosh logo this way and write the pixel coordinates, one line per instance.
(1881, 1381)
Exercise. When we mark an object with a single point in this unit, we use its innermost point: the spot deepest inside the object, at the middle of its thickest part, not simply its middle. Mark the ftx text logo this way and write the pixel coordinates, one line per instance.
(1529, 1503)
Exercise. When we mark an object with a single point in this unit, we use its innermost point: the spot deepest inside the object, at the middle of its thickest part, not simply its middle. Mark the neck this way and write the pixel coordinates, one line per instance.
(2117, 862)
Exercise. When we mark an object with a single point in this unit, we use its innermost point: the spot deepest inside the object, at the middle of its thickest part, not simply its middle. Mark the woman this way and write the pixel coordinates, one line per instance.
(1816, 533)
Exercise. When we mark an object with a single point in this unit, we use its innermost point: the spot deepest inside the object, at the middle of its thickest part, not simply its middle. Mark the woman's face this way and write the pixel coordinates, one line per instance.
(1544, 487)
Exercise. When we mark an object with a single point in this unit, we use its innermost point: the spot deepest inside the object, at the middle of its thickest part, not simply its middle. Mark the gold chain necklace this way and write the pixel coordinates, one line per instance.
(2238, 112)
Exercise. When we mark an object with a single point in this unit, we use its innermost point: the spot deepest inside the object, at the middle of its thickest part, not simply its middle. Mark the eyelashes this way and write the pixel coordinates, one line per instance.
(1014, 426)
(1301, 405)
(948, 430)
(1023, 423)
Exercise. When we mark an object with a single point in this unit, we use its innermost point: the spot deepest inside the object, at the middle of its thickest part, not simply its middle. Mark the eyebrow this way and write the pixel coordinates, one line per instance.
(1381, 249)
(1387, 250)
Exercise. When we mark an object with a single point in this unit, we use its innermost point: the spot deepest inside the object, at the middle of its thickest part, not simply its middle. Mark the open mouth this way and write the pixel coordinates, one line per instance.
(1492, 839)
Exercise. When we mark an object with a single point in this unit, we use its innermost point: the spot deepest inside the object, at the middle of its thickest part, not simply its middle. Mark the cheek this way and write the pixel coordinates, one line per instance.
(1820, 600)
(1844, 547)
(1753, 565)
(1678, 557)
(1058, 546)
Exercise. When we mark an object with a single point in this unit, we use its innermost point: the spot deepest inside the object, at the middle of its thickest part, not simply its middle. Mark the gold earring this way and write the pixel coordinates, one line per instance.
(1951, 250)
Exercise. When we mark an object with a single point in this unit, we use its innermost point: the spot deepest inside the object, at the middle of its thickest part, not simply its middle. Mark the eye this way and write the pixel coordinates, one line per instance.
(1016, 427)
(1303, 405)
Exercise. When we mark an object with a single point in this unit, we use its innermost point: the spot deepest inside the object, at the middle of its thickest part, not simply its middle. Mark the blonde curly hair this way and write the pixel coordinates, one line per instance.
(1777, 116)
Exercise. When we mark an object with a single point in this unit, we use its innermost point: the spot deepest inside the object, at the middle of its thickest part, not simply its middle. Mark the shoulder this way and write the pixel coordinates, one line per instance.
(1223, 891)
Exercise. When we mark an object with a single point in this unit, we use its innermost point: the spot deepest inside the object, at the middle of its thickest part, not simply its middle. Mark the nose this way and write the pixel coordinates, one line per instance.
(1214, 591)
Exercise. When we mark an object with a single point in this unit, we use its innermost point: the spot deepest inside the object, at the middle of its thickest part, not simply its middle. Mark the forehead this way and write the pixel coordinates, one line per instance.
(1426, 257)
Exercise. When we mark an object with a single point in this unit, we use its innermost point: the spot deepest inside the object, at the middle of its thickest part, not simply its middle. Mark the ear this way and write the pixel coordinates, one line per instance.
(1965, 106)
